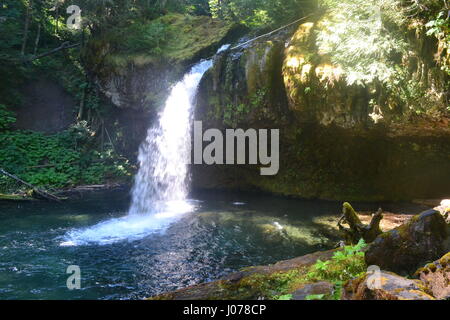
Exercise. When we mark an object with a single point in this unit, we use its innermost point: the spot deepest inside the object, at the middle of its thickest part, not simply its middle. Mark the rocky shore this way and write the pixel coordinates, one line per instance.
(408, 260)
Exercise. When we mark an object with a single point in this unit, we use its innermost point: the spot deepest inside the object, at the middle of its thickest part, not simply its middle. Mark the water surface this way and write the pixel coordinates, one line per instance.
(221, 234)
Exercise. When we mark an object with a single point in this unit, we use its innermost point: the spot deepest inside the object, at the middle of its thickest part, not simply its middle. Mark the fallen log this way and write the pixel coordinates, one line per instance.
(357, 229)
(38, 191)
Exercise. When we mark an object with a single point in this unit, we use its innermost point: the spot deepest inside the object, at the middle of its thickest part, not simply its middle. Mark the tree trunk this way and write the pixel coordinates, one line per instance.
(42, 193)
(38, 37)
(357, 229)
(26, 27)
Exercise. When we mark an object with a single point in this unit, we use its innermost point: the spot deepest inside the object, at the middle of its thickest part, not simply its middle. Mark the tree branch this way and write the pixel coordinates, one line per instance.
(64, 46)
(40, 192)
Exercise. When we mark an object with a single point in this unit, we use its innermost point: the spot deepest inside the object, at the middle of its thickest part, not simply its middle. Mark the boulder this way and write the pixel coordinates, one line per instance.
(423, 238)
(387, 286)
(436, 277)
(444, 209)
(317, 288)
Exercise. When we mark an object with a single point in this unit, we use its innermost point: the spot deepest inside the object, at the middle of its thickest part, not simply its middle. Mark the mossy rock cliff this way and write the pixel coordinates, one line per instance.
(136, 64)
(332, 144)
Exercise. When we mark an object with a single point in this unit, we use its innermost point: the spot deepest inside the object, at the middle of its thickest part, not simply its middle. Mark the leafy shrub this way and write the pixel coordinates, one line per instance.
(346, 264)
(315, 297)
(6, 118)
(440, 28)
(146, 38)
(56, 161)
(356, 38)
(260, 13)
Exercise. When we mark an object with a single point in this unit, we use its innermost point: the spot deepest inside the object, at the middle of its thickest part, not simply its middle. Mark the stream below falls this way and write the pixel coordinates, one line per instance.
(122, 258)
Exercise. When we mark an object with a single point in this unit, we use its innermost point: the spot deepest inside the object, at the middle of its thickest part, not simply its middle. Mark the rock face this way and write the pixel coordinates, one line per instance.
(389, 287)
(316, 87)
(137, 83)
(140, 80)
(423, 238)
(47, 107)
(436, 277)
(330, 147)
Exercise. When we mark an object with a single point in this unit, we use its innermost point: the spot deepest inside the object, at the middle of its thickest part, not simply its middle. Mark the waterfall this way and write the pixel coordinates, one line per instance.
(160, 190)
(162, 179)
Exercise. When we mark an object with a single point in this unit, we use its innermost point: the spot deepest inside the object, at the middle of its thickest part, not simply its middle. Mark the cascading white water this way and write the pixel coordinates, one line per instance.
(162, 180)
(161, 185)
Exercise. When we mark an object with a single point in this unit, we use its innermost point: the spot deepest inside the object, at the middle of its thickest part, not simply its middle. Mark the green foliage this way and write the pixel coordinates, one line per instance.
(231, 115)
(272, 286)
(408, 91)
(321, 266)
(56, 161)
(144, 38)
(260, 13)
(285, 297)
(6, 118)
(440, 28)
(315, 297)
(345, 264)
(355, 37)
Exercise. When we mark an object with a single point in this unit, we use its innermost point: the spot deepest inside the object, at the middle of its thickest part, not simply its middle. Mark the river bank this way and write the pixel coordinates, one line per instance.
(348, 272)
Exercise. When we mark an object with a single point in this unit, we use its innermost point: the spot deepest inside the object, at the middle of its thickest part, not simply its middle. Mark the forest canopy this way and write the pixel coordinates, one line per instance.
(37, 41)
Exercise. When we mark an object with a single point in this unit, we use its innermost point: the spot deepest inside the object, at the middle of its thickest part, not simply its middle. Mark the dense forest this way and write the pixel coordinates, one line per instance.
(49, 39)
(42, 39)
(107, 96)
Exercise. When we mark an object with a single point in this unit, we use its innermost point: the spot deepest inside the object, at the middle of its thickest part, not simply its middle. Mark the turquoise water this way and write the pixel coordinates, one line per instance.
(218, 235)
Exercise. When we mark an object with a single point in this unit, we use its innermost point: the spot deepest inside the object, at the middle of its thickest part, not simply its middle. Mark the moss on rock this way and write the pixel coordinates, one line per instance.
(254, 282)
(423, 238)
(386, 286)
(329, 146)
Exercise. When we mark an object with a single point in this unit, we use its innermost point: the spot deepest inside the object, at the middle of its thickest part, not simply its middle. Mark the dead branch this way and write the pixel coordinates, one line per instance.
(64, 46)
(38, 191)
(357, 229)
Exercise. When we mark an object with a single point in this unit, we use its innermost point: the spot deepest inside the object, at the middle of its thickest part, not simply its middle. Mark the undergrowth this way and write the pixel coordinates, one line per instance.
(56, 161)
(345, 265)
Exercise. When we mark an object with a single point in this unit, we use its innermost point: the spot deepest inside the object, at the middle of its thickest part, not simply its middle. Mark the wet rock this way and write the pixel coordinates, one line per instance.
(244, 86)
(444, 209)
(436, 277)
(423, 238)
(384, 286)
(318, 288)
(142, 81)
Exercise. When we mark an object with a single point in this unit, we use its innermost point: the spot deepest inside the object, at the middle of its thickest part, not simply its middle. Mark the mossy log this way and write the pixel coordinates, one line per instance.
(357, 229)
(14, 197)
(37, 193)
